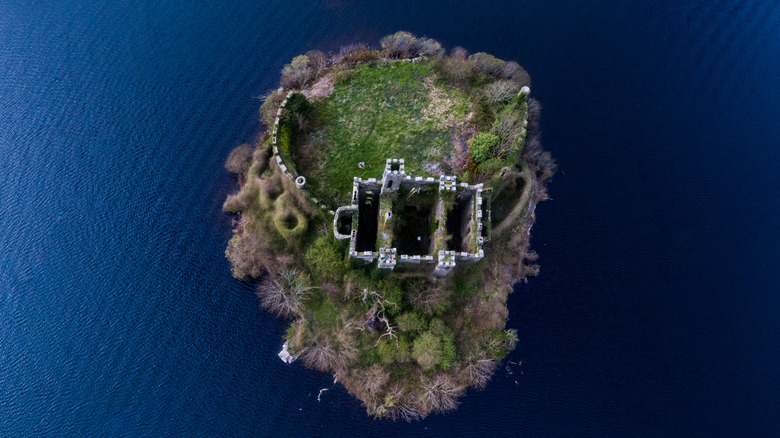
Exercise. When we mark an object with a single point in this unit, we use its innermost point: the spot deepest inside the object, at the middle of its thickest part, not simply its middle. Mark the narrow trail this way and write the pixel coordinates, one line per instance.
(510, 219)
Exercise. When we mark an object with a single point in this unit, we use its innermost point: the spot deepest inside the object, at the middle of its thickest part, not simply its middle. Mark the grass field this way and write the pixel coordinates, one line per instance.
(385, 110)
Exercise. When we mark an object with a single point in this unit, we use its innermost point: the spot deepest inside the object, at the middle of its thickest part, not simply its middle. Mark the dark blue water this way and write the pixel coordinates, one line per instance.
(657, 310)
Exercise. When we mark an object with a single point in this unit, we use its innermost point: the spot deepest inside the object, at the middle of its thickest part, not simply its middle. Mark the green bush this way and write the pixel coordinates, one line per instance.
(325, 260)
(491, 166)
(427, 350)
(482, 146)
(370, 355)
(435, 347)
(412, 322)
(391, 350)
(439, 328)
(448, 354)
(297, 105)
(393, 294)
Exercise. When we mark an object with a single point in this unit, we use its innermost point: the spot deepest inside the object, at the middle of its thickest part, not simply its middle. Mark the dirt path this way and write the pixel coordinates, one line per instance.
(510, 218)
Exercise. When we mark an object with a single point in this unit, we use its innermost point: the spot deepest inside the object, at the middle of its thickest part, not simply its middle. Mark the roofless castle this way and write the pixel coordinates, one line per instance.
(404, 219)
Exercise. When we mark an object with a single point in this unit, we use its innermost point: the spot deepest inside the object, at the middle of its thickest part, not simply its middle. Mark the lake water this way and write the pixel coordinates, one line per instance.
(656, 312)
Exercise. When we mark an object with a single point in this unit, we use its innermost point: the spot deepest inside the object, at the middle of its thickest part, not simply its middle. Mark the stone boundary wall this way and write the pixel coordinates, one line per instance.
(299, 180)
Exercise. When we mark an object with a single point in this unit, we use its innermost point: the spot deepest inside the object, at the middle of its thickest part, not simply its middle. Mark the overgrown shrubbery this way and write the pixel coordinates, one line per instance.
(325, 260)
(483, 146)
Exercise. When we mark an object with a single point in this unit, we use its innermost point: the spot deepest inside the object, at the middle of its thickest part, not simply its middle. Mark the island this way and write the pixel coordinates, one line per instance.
(386, 214)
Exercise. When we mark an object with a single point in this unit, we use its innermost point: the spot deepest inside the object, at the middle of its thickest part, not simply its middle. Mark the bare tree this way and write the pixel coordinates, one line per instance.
(373, 379)
(441, 394)
(320, 354)
(401, 409)
(318, 61)
(479, 370)
(377, 313)
(429, 298)
(501, 91)
(297, 73)
(508, 127)
(283, 294)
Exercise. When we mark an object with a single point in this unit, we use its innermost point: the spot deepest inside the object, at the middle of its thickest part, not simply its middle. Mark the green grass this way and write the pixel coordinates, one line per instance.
(321, 309)
(378, 113)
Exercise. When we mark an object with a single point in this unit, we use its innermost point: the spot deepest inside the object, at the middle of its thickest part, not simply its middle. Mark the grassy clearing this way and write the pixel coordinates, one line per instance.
(384, 110)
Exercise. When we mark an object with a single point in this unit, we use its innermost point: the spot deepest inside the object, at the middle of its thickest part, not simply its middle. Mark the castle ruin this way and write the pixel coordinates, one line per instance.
(403, 219)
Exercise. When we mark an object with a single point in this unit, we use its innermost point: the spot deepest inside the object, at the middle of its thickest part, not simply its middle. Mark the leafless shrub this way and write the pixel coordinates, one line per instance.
(429, 47)
(507, 124)
(239, 161)
(247, 262)
(235, 203)
(269, 108)
(514, 72)
(539, 159)
(354, 54)
(376, 377)
(460, 154)
(458, 71)
(488, 63)
(367, 382)
(282, 294)
(459, 52)
(488, 312)
(534, 113)
(441, 394)
(334, 292)
(346, 346)
(508, 127)
(399, 45)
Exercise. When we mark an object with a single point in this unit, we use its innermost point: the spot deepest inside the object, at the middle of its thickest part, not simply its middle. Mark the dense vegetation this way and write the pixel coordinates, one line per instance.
(404, 342)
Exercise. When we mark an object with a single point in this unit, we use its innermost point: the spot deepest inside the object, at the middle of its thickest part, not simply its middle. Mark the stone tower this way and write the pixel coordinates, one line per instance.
(394, 174)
